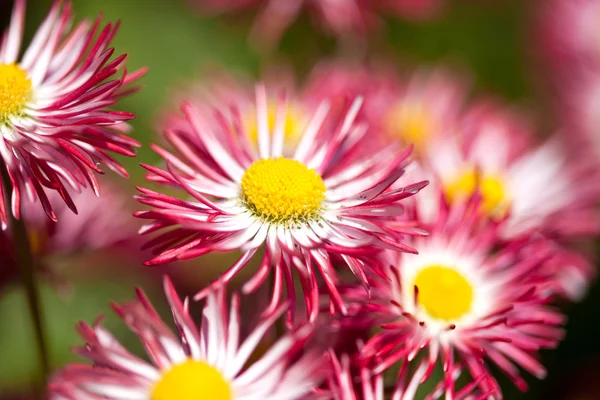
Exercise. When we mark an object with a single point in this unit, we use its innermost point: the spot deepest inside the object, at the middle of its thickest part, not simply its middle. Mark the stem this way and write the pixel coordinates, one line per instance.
(26, 264)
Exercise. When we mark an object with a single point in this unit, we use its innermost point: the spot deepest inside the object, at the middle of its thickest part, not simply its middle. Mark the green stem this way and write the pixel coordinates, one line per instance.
(26, 264)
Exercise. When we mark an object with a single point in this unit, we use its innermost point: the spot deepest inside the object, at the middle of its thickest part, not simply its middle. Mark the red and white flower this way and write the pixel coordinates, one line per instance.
(55, 120)
(464, 303)
(326, 203)
(207, 362)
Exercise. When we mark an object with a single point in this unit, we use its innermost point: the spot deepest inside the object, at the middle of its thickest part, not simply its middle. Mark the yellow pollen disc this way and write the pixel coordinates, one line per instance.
(411, 124)
(192, 380)
(494, 197)
(293, 127)
(280, 189)
(15, 89)
(443, 292)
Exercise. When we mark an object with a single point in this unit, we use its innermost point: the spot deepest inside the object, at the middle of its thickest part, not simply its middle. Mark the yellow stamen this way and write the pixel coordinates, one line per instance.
(443, 292)
(494, 196)
(15, 89)
(293, 127)
(281, 189)
(410, 123)
(192, 380)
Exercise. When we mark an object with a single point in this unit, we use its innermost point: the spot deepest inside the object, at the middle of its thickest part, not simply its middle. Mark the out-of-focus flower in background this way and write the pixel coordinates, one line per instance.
(351, 18)
(55, 121)
(209, 361)
(101, 223)
(461, 303)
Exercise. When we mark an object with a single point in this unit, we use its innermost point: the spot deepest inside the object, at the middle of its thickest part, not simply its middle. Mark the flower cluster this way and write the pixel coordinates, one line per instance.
(411, 239)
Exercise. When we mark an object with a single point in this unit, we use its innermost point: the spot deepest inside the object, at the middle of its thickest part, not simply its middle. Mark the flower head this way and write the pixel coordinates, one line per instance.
(55, 121)
(207, 362)
(465, 302)
(327, 202)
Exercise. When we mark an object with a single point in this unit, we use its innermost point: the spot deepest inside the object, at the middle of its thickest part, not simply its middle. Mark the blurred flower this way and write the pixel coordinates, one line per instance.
(463, 297)
(416, 111)
(54, 117)
(200, 363)
(101, 221)
(328, 201)
(570, 34)
(342, 18)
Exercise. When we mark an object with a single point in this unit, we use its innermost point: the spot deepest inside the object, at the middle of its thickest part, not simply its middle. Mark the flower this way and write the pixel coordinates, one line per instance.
(536, 188)
(576, 48)
(55, 123)
(206, 362)
(343, 18)
(326, 203)
(464, 300)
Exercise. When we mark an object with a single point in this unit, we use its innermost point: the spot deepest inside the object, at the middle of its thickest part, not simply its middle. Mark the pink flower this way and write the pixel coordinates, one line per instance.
(569, 50)
(55, 121)
(464, 302)
(325, 202)
(206, 362)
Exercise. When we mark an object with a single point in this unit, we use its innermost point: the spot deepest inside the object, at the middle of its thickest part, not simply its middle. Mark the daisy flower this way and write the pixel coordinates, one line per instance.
(209, 362)
(55, 124)
(536, 188)
(464, 302)
(326, 203)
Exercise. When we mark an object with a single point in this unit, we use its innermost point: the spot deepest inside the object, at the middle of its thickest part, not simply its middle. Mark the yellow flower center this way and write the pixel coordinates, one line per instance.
(495, 199)
(15, 89)
(293, 127)
(192, 380)
(280, 189)
(443, 292)
(411, 124)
